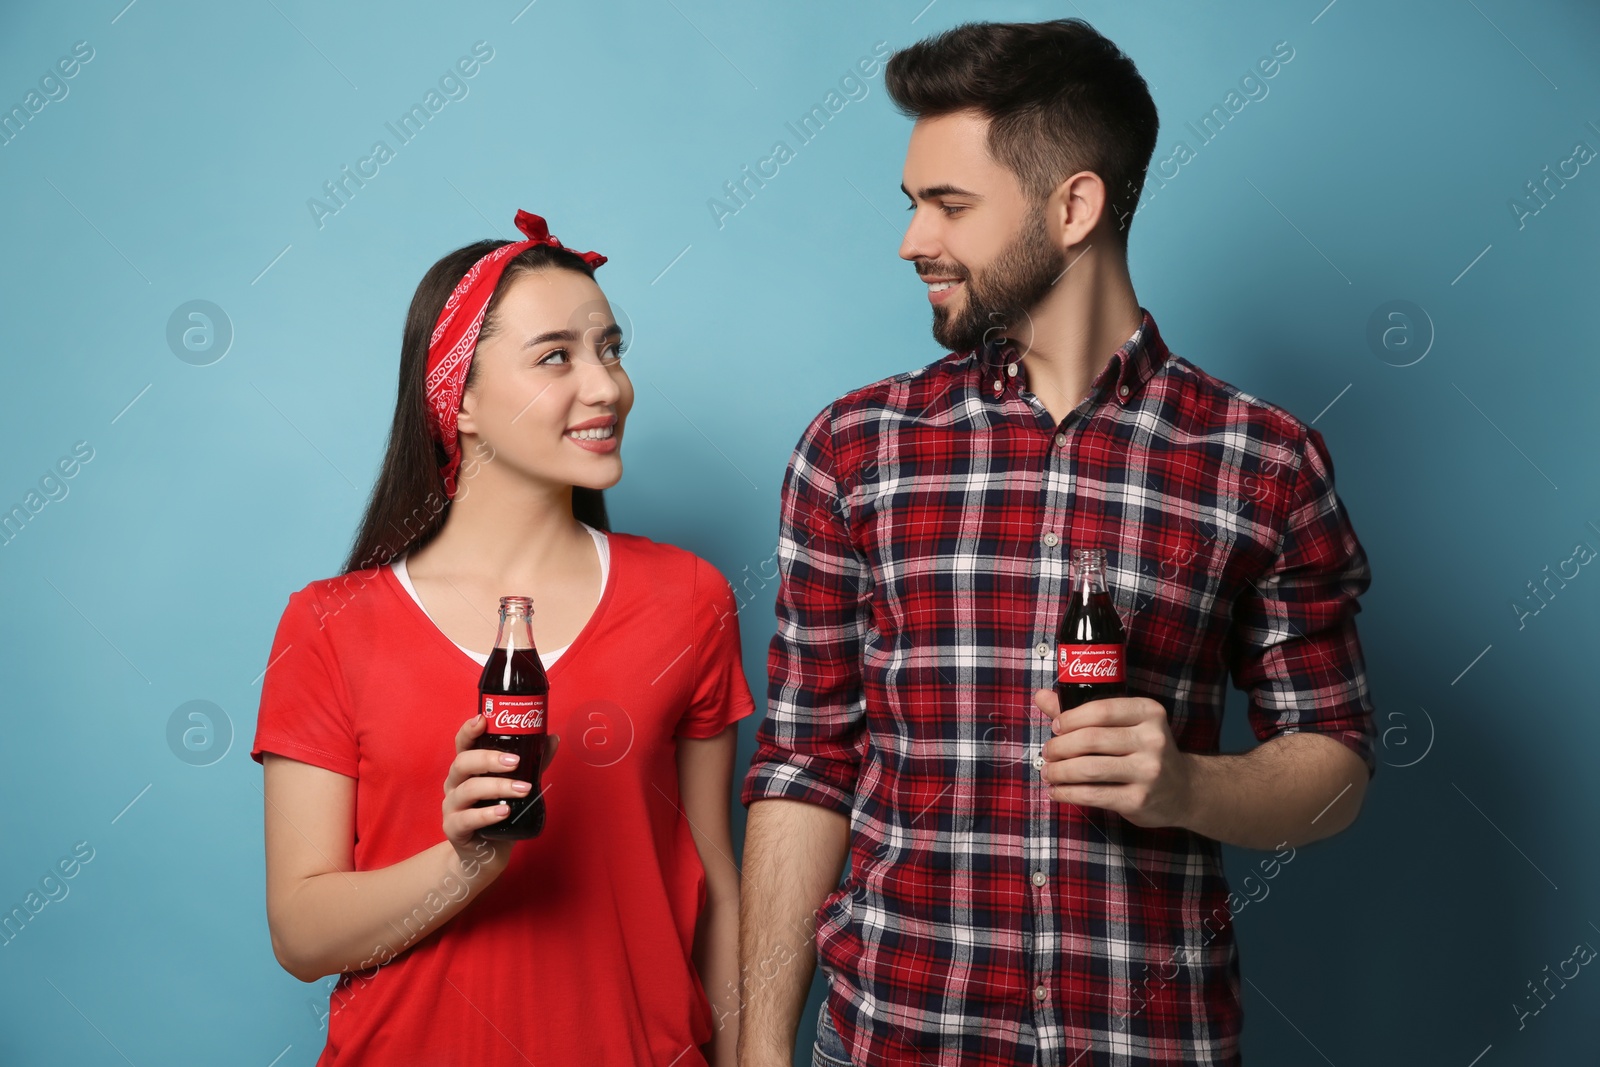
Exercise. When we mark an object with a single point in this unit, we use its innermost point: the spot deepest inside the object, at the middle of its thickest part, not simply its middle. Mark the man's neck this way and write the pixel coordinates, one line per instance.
(1087, 316)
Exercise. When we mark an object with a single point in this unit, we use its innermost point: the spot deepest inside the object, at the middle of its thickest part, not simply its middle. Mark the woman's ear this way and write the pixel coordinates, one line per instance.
(464, 420)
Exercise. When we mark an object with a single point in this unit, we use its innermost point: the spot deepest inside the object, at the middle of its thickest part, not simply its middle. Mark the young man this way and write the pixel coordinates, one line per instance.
(1032, 886)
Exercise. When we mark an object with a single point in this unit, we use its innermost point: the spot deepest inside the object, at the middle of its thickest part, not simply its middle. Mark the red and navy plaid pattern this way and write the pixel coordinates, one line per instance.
(927, 522)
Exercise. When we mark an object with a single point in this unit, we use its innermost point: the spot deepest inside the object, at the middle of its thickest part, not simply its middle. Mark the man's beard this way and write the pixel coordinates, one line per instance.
(1000, 297)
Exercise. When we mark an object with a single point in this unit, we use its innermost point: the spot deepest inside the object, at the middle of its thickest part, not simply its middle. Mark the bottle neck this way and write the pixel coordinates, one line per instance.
(1089, 580)
(516, 631)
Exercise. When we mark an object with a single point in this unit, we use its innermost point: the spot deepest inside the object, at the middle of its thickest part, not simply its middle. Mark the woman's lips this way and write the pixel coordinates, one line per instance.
(595, 444)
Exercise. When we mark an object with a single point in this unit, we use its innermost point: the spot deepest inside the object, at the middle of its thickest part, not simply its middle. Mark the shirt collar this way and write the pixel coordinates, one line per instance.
(1002, 373)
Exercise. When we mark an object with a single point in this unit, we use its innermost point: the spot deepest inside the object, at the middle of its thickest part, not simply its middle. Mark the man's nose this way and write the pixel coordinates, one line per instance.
(919, 242)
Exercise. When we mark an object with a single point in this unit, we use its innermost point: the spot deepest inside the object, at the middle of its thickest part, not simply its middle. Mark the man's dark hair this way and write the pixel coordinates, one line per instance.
(1059, 96)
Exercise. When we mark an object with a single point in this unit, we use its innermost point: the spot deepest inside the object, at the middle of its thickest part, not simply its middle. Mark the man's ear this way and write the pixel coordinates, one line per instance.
(1076, 206)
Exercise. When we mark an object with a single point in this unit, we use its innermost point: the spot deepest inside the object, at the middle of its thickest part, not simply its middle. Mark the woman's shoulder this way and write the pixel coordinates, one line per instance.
(670, 564)
(343, 595)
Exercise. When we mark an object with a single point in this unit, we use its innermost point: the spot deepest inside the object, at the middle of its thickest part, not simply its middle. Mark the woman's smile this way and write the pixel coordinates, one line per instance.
(595, 435)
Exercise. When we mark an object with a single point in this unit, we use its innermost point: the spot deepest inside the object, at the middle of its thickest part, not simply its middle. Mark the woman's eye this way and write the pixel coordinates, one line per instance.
(550, 357)
(615, 351)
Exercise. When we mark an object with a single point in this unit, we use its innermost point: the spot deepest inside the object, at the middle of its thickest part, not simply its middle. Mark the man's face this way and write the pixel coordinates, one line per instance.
(978, 241)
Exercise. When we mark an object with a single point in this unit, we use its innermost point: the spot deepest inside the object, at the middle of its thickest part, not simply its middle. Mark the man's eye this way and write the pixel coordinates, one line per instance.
(552, 354)
(951, 209)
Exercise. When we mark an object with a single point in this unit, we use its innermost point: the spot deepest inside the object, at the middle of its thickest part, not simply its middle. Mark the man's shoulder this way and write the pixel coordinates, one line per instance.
(926, 380)
(1213, 406)
(913, 394)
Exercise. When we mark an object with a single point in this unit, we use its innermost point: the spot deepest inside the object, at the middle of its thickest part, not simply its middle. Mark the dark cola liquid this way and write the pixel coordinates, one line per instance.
(1091, 651)
(525, 678)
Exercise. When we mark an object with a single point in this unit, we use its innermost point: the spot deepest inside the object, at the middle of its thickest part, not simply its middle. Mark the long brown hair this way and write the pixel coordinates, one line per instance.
(408, 506)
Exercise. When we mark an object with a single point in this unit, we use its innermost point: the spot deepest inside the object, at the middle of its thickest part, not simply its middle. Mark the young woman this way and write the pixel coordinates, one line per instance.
(599, 940)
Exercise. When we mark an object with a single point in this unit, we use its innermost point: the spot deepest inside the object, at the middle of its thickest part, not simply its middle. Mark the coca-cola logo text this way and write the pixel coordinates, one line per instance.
(514, 714)
(1089, 664)
(1101, 668)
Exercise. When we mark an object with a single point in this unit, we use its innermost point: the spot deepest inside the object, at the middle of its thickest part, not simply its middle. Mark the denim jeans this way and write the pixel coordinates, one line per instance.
(829, 1050)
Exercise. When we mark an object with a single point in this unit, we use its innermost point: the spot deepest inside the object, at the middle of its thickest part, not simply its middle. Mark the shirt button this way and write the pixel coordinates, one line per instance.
(1038, 992)
(1051, 540)
(1038, 762)
(1061, 440)
(1123, 391)
(1038, 878)
(1011, 371)
(1042, 648)
(997, 385)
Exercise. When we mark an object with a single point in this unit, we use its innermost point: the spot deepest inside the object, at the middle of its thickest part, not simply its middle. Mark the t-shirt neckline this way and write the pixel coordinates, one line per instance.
(572, 647)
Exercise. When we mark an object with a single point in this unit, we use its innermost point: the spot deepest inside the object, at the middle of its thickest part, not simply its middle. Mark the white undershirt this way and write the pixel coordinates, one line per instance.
(547, 659)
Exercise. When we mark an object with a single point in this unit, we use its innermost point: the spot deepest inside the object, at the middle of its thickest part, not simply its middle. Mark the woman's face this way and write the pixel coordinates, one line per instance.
(549, 394)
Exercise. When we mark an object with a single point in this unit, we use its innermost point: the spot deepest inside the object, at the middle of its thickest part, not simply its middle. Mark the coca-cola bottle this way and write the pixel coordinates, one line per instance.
(511, 695)
(1091, 648)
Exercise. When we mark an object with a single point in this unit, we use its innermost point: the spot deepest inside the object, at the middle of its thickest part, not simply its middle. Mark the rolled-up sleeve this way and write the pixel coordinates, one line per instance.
(1297, 654)
(810, 744)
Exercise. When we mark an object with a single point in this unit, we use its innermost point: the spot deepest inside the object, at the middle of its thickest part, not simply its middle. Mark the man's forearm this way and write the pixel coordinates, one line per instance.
(1293, 789)
(793, 855)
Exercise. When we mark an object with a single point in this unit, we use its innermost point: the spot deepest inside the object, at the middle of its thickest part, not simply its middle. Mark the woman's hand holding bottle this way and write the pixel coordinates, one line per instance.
(473, 777)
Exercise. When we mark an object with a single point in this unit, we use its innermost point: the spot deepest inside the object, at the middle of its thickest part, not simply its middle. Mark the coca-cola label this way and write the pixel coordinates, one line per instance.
(513, 714)
(1089, 664)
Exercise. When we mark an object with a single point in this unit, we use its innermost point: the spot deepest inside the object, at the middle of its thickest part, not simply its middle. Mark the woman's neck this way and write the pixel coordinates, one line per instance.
(508, 537)
(505, 532)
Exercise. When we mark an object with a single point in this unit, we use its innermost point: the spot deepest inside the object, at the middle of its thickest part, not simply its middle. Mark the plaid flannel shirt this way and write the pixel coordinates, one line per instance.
(926, 524)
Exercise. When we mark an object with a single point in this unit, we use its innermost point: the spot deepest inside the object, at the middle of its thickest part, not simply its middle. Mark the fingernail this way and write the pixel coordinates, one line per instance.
(522, 787)
(509, 758)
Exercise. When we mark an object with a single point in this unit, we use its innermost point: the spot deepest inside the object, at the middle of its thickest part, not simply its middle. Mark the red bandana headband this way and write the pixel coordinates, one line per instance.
(455, 336)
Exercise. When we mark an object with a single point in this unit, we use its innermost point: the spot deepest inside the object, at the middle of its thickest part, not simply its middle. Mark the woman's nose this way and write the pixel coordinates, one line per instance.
(598, 382)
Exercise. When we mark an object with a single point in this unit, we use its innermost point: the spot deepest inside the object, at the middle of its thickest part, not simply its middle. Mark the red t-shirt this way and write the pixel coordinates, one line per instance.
(581, 951)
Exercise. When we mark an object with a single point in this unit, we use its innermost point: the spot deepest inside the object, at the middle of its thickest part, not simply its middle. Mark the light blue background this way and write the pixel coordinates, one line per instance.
(1379, 167)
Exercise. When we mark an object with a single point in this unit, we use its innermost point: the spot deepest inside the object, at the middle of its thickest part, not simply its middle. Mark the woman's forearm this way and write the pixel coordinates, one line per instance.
(355, 920)
(718, 964)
